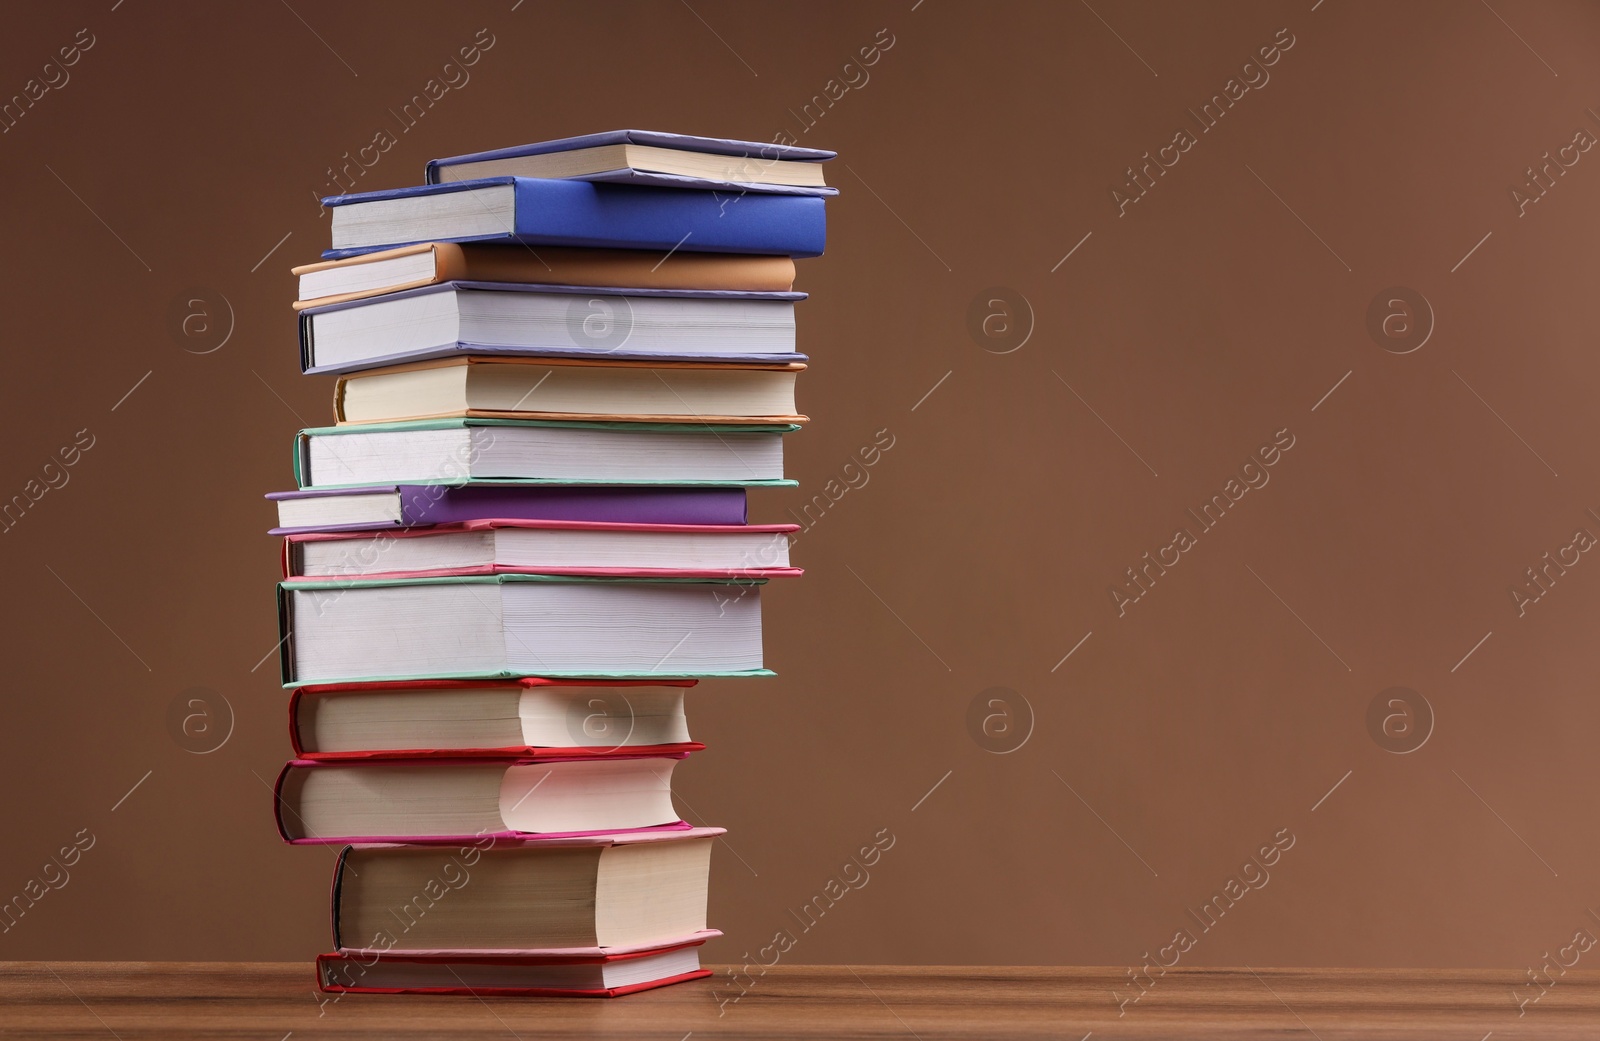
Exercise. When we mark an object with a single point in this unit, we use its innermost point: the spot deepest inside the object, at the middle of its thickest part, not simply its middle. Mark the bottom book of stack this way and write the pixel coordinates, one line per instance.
(596, 915)
(578, 972)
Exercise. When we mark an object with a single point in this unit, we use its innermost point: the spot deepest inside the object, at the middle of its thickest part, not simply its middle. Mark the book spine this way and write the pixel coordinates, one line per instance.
(450, 263)
(307, 362)
(285, 638)
(334, 895)
(294, 723)
(277, 802)
(300, 462)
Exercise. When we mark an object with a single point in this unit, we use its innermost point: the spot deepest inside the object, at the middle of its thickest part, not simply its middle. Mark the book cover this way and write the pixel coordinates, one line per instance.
(625, 216)
(292, 570)
(427, 505)
(342, 971)
(302, 450)
(286, 644)
(280, 803)
(527, 752)
(755, 151)
(555, 265)
(310, 366)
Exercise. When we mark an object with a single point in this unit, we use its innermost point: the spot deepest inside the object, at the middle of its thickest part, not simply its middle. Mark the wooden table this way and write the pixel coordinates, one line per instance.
(274, 1002)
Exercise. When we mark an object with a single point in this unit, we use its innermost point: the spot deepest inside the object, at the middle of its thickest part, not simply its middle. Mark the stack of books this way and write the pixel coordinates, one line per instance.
(560, 367)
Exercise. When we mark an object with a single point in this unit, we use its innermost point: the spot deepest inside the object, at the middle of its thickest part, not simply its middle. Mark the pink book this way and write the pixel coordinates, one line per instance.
(581, 972)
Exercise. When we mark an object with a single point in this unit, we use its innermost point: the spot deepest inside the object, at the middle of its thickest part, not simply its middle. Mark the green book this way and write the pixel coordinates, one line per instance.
(503, 626)
(540, 452)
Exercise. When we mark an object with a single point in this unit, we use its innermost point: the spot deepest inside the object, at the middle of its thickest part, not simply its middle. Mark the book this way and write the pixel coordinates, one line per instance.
(546, 212)
(526, 320)
(428, 263)
(547, 547)
(650, 157)
(404, 506)
(609, 891)
(505, 626)
(539, 451)
(585, 972)
(570, 388)
(459, 800)
(530, 718)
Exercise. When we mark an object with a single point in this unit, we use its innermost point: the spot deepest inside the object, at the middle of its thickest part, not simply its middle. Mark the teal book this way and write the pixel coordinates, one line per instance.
(540, 452)
(504, 626)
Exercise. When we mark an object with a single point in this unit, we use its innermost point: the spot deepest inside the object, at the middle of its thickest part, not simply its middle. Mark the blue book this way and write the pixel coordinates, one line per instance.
(651, 157)
(542, 321)
(539, 212)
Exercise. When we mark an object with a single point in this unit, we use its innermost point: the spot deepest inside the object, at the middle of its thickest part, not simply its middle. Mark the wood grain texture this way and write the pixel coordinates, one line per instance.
(270, 1001)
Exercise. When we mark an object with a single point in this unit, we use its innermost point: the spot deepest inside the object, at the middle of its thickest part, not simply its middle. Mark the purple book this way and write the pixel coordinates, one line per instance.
(413, 505)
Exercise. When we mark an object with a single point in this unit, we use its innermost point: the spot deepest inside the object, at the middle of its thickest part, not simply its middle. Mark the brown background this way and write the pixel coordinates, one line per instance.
(190, 139)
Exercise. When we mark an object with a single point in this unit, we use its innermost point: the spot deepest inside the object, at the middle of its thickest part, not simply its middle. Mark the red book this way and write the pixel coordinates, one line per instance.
(526, 718)
(579, 972)
(455, 801)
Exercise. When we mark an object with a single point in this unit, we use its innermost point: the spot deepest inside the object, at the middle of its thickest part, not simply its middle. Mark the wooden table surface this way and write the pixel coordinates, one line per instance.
(276, 1002)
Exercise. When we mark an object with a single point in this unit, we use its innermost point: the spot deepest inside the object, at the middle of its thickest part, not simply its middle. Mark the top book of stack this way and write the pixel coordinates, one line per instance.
(618, 190)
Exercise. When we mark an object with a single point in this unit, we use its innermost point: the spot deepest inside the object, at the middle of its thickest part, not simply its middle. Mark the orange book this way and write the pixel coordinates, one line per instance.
(429, 263)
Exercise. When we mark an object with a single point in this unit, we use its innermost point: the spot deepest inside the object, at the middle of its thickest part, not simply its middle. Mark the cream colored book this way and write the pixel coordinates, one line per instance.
(547, 388)
(603, 891)
(649, 157)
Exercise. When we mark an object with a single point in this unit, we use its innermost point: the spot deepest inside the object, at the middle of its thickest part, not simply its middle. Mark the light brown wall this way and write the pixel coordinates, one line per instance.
(1171, 344)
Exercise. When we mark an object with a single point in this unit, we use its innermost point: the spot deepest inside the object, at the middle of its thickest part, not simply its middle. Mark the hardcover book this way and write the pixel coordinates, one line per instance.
(497, 896)
(506, 626)
(531, 718)
(393, 507)
(428, 263)
(487, 387)
(573, 972)
(650, 157)
(460, 800)
(545, 212)
(522, 320)
(540, 451)
(547, 547)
